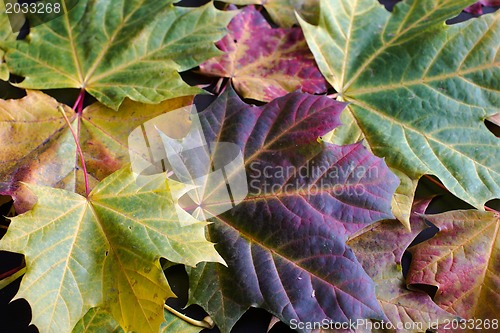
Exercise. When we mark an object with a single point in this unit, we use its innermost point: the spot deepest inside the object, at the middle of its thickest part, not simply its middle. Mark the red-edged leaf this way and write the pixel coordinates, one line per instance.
(285, 243)
(380, 249)
(265, 63)
(463, 261)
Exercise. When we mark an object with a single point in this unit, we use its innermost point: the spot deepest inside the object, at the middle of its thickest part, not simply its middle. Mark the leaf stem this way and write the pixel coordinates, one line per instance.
(78, 149)
(207, 322)
(4, 282)
(10, 272)
(218, 86)
(78, 107)
(491, 209)
(432, 180)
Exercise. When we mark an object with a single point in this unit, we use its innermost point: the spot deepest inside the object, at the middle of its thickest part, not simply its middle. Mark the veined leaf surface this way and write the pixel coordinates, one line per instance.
(38, 148)
(285, 243)
(98, 321)
(380, 248)
(115, 49)
(104, 251)
(419, 90)
(265, 63)
(462, 260)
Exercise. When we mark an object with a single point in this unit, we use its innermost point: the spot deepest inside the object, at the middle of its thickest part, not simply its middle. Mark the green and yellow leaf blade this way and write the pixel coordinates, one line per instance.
(38, 147)
(117, 49)
(103, 252)
(99, 321)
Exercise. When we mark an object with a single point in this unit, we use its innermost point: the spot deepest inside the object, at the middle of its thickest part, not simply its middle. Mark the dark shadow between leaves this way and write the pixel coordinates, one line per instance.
(493, 128)
(464, 16)
(16, 315)
(8, 91)
(191, 3)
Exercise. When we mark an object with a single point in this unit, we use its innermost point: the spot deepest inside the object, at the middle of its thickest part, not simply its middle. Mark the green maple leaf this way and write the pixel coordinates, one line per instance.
(104, 251)
(115, 49)
(419, 91)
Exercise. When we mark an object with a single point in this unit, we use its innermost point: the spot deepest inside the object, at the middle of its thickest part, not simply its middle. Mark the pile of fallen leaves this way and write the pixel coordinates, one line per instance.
(338, 107)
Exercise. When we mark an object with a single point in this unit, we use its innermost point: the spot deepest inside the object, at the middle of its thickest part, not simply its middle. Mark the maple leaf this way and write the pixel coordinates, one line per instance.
(98, 321)
(38, 147)
(104, 251)
(282, 12)
(265, 63)
(379, 248)
(115, 49)
(462, 260)
(419, 90)
(285, 243)
(477, 8)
